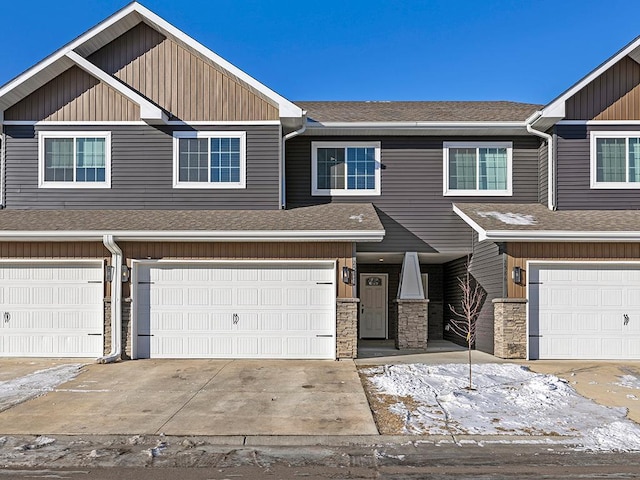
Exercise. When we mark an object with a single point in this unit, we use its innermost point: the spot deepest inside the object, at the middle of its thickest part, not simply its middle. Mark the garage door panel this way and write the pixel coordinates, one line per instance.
(54, 309)
(586, 322)
(269, 311)
(578, 311)
(612, 322)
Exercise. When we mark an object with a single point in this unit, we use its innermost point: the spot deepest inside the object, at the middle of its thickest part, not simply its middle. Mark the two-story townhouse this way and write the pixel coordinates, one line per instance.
(159, 202)
(571, 267)
(142, 178)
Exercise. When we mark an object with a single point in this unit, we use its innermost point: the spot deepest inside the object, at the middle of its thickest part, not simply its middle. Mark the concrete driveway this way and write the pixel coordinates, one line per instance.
(196, 397)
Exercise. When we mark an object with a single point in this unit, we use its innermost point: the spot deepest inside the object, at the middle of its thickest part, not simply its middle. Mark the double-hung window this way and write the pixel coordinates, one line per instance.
(615, 159)
(345, 168)
(478, 168)
(74, 159)
(209, 159)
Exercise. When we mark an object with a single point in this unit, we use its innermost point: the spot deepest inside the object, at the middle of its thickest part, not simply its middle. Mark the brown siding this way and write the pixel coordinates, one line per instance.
(53, 250)
(519, 253)
(180, 81)
(342, 252)
(74, 96)
(614, 95)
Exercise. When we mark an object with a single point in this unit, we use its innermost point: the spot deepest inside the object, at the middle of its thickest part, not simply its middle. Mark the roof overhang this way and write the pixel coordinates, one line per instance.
(416, 128)
(533, 235)
(555, 110)
(110, 29)
(198, 236)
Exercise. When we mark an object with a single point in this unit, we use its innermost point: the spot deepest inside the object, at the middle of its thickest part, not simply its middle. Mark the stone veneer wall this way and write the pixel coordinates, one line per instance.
(347, 327)
(412, 324)
(126, 328)
(510, 327)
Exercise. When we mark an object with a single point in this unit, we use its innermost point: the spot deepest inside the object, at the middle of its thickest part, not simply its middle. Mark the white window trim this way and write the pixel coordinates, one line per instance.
(315, 191)
(447, 192)
(593, 154)
(42, 135)
(210, 134)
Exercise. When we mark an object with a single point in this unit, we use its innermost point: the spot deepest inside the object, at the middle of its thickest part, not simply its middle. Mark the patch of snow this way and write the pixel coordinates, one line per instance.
(18, 390)
(629, 381)
(39, 442)
(510, 218)
(508, 400)
(358, 218)
(620, 436)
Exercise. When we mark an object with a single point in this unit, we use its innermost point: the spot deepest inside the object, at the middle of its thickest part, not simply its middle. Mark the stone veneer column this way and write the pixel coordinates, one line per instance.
(107, 326)
(412, 325)
(510, 327)
(347, 327)
(126, 328)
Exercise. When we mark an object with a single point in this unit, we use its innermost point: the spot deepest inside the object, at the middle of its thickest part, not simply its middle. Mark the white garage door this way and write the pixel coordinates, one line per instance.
(587, 311)
(235, 311)
(51, 310)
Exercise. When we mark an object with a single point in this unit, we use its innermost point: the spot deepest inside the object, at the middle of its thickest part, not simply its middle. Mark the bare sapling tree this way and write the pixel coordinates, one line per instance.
(464, 321)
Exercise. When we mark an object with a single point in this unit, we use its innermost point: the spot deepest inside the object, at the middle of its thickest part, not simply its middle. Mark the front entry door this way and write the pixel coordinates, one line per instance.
(373, 305)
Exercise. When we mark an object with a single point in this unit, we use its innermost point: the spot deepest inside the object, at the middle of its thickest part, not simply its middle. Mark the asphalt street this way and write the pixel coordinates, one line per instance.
(401, 461)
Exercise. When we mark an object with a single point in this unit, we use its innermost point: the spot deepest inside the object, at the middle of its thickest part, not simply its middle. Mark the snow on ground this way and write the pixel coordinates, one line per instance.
(18, 390)
(508, 400)
(629, 381)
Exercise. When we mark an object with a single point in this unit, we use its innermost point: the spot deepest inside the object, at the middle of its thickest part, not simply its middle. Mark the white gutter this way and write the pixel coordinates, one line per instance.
(283, 178)
(558, 236)
(116, 301)
(202, 236)
(551, 181)
(471, 125)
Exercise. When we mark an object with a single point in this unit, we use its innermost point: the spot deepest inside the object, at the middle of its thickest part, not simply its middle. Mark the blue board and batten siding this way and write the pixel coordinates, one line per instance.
(142, 172)
(415, 213)
(574, 190)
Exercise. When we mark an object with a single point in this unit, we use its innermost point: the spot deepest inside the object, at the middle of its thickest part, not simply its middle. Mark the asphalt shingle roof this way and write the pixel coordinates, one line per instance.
(329, 217)
(538, 218)
(481, 111)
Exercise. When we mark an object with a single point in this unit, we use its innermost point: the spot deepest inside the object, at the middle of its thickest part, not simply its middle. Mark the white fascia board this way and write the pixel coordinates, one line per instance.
(560, 236)
(482, 234)
(60, 54)
(148, 110)
(287, 108)
(426, 125)
(197, 236)
(556, 108)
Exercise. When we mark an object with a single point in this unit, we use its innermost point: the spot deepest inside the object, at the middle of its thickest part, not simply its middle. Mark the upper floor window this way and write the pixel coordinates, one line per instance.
(478, 168)
(209, 159)
(74, 159)
(615, 159)
(344, 168)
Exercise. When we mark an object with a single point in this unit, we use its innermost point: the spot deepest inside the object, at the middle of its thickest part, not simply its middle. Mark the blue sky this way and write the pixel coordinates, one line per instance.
(528, 51)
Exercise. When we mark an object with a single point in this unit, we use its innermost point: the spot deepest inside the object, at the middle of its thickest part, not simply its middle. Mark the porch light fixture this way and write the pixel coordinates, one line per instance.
(516, 275)
(108, 273)
(125, 274)
(348, 275)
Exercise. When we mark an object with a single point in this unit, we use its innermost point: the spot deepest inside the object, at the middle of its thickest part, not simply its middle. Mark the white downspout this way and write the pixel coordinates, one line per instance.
(551, 180)
(283, 181)
(116, 301)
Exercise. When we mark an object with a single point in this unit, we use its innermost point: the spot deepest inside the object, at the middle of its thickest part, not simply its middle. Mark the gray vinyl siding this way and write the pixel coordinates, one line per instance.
(415, 213)
(543, 168)
(488, 270)
(574, 172)
(142, 172)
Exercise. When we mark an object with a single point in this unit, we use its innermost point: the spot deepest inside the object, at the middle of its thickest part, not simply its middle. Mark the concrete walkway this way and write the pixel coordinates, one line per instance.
(199, 397)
